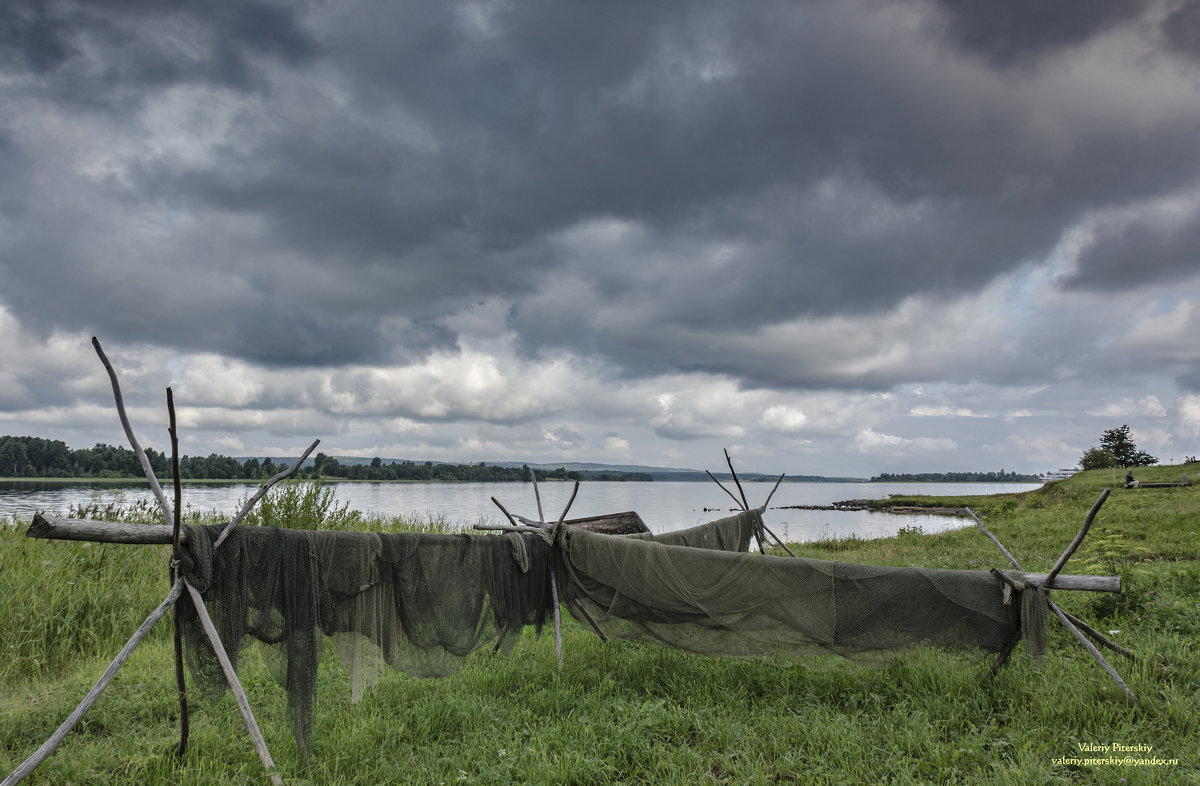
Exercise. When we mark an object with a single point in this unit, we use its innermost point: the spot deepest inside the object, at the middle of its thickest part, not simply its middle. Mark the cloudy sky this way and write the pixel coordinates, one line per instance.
(837, 238)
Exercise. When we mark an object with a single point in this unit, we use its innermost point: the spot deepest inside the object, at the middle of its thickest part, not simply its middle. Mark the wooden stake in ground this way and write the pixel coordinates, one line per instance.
(176, 561)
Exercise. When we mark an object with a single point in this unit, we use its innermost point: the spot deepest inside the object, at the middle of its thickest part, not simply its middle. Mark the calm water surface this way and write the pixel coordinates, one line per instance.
(664, 506)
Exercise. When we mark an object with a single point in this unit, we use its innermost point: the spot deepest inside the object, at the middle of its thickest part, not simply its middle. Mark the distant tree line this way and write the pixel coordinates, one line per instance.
(34, 457)
(956, 477)
(330, 467)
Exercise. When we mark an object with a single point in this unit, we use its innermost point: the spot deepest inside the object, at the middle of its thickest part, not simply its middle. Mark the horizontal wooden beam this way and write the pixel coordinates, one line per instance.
(1085, 583)
(52, 528)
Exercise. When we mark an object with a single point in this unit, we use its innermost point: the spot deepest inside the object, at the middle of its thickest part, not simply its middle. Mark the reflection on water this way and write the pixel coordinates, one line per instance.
(664, 506)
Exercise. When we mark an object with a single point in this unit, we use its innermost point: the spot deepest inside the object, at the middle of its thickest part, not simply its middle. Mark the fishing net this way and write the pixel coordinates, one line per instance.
(421, 603)
(723, 603)
(732, 533)
(413, 601)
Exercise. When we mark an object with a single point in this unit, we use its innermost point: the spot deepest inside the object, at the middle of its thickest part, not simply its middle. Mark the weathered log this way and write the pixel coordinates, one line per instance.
(51, 528)
(1084, 583)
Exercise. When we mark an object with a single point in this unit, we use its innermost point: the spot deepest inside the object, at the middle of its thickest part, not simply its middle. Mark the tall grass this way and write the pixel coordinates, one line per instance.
(626, 713)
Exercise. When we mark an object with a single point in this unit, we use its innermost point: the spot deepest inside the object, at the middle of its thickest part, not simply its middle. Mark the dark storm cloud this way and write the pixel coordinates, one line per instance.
(1139, 253)
(96, 51)
(771, 161)
(1181, 28)
(1017, 31)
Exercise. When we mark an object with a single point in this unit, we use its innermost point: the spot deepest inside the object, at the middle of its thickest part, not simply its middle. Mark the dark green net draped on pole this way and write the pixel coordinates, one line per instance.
(421, 602)
(416, 602)
(744, 605)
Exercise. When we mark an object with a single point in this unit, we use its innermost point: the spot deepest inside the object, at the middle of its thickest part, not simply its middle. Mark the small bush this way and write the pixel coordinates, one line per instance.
(303, 505)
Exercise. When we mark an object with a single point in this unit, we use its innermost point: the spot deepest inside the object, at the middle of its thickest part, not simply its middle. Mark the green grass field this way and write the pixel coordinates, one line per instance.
(632, 713)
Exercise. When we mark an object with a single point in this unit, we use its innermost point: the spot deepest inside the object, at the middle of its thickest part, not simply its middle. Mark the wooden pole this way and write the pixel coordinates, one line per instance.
(1087, 523)
(773, 490)
(55, 528)
(558, 645)
(250, 503)
(50, 745)
(504, 510)
(563, 517)
(1091, 648)
(235, 685)
(1097, 635)
(778, 539)
(738, 483)
(505, 528)
(176, 561)
(736, 501)
(137, 448)
(1011, 559)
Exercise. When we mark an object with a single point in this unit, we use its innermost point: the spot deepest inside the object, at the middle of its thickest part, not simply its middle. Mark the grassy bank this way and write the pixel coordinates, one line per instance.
(629, 713)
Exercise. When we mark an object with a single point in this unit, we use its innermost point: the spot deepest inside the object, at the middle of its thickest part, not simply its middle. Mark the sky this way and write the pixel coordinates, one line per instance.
(835, 238)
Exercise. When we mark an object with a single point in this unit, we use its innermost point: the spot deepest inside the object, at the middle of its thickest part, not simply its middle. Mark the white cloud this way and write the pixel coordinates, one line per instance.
(1127, 407)
(1189, 415)
(208, 379)
(870, 441)
(1166, 335)
(783, 418)
(614, 445)
(941, 411)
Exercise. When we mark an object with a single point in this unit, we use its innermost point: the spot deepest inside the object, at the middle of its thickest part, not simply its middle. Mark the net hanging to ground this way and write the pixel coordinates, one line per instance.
(413, 601)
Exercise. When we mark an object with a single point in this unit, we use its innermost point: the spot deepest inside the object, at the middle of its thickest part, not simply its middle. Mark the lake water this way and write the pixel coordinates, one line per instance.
(664, 506)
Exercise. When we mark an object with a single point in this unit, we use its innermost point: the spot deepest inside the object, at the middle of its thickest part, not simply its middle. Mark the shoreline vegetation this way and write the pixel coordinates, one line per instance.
(35, 458)
(621, 712)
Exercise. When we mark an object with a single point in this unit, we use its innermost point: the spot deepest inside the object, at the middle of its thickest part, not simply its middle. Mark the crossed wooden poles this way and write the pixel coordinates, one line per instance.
(179, 585)
(1053, 581)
